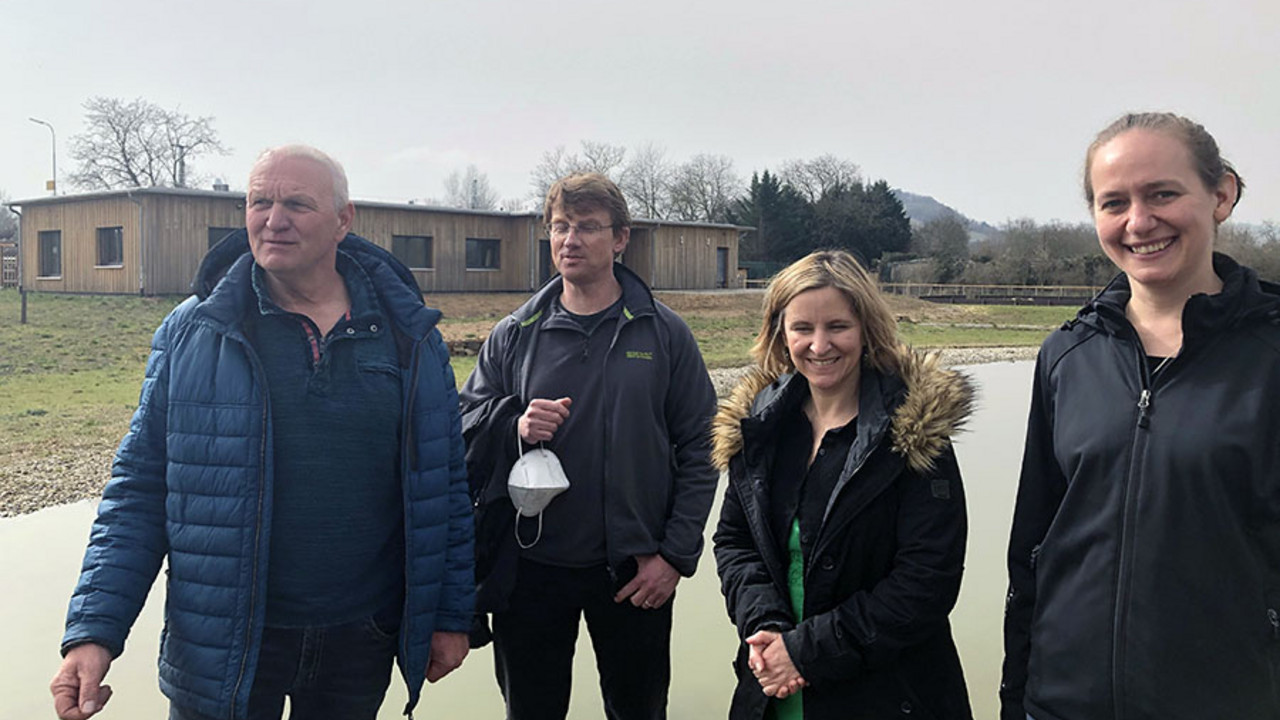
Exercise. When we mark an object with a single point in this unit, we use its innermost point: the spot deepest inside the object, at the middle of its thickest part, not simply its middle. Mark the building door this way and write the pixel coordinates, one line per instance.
(545, 267)
(722, 267)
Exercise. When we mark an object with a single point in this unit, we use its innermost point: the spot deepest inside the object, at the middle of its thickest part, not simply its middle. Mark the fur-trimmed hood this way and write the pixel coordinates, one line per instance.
(934, 405)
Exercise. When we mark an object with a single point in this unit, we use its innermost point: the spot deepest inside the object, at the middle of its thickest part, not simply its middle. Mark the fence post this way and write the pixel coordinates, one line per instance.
(23, 292)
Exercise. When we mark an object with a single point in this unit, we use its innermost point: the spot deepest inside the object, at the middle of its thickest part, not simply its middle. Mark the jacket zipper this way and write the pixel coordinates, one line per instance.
(257, 532)
(409, 460)
(624, 317)
(1128, 519)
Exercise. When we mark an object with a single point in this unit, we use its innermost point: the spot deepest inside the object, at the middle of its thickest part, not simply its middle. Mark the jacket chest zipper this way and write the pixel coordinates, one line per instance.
(409, 455)
(1133, 480)
(257, 532)
(605, 428)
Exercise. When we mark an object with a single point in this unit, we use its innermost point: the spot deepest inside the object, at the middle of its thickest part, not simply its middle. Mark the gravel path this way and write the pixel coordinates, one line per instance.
(79, 471)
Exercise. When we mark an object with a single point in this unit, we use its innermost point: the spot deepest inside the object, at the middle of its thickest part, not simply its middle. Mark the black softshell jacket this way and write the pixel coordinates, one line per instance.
(1144, 562)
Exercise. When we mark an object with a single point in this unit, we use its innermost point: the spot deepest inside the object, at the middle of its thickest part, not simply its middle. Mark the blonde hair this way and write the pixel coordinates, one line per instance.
(835, 269)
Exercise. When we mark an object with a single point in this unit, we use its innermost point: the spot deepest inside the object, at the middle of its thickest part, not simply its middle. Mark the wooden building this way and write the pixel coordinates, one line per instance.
(150, 241)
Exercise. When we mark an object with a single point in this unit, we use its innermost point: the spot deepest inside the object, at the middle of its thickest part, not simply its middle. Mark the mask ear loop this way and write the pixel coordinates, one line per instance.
(519, 514)
(536, 537)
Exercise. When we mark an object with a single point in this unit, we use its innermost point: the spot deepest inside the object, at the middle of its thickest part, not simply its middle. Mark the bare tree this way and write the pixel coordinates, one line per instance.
(703, 189)
(820, 175)
(139, 144)
(519, 204)
(600, 157)
(646, 181)
(470, 189)
(8, 220)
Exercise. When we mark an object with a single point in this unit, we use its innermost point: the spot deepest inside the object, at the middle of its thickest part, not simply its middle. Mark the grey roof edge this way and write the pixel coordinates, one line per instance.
(236, 195)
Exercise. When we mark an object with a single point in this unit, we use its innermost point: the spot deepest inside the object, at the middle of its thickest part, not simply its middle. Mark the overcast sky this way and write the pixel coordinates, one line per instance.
(986, 105)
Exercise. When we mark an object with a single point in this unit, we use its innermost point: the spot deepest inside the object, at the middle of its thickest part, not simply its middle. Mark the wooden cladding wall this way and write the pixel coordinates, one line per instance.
(449, 232)
(684, 257)
(639, 253)
(177, 237)
(78, 223)
(165, 235)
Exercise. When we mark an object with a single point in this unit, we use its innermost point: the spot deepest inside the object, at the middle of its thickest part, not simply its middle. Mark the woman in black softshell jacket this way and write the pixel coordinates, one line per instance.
(841, 539)
(1144, 562)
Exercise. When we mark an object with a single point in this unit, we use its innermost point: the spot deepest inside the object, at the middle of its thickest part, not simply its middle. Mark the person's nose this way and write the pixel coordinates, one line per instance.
(820, 343)
(1141, 220)
(277, 217)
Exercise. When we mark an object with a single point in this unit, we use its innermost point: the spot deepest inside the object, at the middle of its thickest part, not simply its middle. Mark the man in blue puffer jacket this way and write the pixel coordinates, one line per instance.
(297, 458)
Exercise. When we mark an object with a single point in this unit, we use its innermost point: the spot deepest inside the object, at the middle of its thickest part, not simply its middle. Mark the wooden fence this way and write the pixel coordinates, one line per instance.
(995, 294)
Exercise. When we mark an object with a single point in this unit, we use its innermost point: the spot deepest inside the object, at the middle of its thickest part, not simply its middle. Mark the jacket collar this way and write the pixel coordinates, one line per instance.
(923, 407)
(223, 283)
(637, 298)
(1244, 299)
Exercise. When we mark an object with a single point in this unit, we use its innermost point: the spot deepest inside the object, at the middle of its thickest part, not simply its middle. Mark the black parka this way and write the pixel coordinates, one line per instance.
(885, 568)
(1144, 561)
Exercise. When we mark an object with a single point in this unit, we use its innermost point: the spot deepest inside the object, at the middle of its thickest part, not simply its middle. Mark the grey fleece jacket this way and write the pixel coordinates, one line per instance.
(655, 431)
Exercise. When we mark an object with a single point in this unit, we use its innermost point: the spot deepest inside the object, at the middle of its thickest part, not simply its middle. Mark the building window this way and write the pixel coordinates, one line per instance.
(50, 253)
(413, 250)
(110, 247)
(217, 233)
(483, 254)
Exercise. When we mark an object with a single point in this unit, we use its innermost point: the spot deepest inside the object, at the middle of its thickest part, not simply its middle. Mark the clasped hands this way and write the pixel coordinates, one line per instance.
(771, 664)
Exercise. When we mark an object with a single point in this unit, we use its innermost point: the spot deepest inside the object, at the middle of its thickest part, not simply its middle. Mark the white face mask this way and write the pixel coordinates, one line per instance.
(535, 479)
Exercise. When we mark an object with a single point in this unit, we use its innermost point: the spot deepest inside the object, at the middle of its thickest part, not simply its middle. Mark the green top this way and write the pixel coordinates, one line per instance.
(792, 706)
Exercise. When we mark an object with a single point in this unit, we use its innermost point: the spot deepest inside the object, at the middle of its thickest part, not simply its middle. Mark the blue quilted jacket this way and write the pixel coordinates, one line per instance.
(191, 482)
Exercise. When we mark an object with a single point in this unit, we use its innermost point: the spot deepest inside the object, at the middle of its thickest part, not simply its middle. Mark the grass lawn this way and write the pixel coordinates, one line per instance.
(69, 378)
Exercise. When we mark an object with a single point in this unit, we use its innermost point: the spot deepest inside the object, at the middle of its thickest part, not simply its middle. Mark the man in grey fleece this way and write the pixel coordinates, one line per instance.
(611, 380)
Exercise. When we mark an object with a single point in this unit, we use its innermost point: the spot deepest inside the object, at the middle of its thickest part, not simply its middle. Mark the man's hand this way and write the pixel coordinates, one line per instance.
(653, 585)
(772, 666)
(78, 692)
(542, 418)
(448, 649)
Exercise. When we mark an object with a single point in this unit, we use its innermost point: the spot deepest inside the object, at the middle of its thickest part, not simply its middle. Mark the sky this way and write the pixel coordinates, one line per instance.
(986, 105)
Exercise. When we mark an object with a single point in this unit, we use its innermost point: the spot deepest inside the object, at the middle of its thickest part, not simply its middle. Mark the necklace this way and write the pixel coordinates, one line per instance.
(1160, 366)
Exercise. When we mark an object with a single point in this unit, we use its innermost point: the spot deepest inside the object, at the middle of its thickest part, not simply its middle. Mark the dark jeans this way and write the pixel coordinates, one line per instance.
(329, 673)
(533, 645)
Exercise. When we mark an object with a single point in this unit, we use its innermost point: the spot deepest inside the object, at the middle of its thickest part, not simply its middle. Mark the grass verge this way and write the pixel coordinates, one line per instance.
(69, 378)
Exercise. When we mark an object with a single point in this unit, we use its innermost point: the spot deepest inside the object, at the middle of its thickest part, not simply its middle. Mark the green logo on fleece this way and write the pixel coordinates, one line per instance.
(639, 355)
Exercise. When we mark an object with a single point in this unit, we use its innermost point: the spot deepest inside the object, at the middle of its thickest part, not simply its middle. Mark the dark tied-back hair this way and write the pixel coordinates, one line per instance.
(1205, 156)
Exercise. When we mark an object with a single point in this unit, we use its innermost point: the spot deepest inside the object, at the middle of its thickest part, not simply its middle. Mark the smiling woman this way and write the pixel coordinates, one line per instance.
(1143, 559)
(839, 456)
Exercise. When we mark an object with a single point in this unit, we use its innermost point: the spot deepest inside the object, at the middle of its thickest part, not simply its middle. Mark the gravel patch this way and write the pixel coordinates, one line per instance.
(77, 471)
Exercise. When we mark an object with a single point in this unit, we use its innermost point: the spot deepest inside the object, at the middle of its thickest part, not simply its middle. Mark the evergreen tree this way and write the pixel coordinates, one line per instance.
(780, 216)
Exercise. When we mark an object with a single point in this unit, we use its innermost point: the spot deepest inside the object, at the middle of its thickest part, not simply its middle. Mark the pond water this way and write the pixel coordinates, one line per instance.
(40, 557)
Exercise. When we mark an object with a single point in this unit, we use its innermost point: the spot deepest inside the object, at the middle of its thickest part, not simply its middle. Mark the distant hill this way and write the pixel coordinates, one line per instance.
(922, 209)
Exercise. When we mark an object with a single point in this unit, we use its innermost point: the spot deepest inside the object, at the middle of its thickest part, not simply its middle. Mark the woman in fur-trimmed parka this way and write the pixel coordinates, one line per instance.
(841, 539)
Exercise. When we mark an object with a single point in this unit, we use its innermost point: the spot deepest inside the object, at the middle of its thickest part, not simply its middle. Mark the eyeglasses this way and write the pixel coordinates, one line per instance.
(561, 229)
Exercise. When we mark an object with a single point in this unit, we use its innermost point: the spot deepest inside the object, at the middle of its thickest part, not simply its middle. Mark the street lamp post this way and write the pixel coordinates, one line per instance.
(54, 137)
